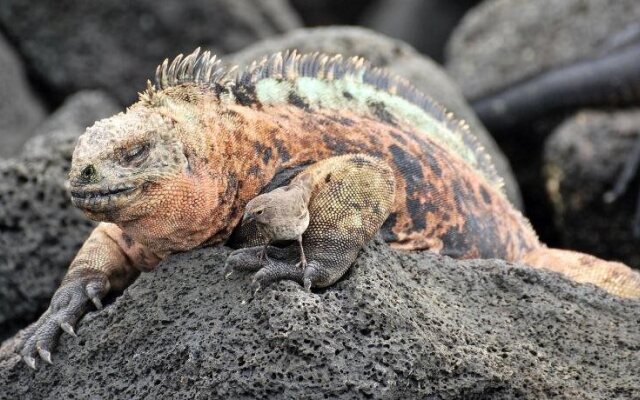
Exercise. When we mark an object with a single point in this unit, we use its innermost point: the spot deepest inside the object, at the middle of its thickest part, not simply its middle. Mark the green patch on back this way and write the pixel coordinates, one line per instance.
(357, 97)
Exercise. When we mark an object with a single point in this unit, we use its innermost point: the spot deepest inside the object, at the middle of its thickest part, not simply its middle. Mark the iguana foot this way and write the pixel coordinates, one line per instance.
(277, 267)
(316, 273)
(69, 303)
(275, 271)
(250, 259)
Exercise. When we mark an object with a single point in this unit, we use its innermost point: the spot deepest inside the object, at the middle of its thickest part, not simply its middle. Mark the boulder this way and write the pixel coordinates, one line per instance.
(424, 24)
(582, 159)
(20, 109)
(398, 326)
(40, 230)
(399, 58)
(115, 45)
(500, 42)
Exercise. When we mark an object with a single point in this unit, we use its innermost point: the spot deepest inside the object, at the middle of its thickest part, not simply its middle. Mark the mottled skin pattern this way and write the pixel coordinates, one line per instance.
(176, 170)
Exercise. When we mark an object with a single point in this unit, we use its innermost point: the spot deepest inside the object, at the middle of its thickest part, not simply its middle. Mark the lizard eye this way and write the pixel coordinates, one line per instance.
(135, 154)
(259, 212)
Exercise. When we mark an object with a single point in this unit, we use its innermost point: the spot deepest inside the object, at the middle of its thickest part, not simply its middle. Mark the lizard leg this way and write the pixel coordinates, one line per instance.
(614, 277)
(303, 259)
(106, 261)
(263, 253)
(351, 196)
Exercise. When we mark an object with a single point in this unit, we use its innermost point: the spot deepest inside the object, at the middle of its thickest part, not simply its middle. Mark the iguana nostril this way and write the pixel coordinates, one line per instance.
(89, 173)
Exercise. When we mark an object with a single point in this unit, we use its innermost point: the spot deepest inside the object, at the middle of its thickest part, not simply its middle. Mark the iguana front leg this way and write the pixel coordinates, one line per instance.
(351, 196)
(108, 260)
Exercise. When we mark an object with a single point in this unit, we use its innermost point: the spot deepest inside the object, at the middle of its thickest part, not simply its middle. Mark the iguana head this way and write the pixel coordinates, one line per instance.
(136, 163)
(119, 158)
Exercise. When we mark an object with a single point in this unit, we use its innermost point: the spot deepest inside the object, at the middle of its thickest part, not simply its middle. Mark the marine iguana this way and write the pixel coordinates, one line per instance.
(175, 171)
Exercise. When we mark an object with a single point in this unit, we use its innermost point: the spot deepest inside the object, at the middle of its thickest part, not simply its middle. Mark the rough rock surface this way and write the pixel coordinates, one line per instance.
(20, 109)
(115, 45)
(425, 24)
(400, 326)
(398, 57)
(502, 41)
(40, 231)
(583, 157)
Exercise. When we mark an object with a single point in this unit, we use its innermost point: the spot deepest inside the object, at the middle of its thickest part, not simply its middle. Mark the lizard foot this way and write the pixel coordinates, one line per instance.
(69, 303)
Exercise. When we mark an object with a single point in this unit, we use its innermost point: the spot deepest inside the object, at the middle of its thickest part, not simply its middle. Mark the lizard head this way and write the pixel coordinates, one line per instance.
(118, 159)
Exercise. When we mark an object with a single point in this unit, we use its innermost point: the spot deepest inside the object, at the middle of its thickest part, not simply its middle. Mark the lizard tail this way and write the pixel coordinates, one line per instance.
(614, 277)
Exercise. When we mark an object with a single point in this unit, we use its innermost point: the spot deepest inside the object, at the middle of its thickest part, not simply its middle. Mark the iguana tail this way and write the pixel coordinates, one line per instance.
(614, 277)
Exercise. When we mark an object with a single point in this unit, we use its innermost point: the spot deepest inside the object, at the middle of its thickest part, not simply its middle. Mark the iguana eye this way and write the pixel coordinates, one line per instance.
(259, 212)
(135, 154)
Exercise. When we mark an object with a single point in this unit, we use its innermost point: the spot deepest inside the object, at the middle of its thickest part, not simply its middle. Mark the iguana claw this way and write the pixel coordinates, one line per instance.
(68, 304)
(30, 361)
(44, 354)
(68, 328)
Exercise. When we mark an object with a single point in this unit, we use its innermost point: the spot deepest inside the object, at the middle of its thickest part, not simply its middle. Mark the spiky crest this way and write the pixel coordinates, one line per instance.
(205, 70)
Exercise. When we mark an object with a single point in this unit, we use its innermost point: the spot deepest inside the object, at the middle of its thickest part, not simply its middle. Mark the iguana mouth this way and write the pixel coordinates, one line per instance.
(101, 199)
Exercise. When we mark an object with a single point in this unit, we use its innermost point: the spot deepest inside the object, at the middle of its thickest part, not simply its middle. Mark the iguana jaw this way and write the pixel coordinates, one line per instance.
(103, 199)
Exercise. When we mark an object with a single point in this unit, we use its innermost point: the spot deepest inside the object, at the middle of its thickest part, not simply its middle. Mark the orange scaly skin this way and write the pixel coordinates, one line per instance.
(175, 171)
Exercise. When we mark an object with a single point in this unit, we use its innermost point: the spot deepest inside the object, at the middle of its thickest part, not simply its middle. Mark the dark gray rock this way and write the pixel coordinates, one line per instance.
(424, 24)
(583, 157)
(502, 41)
(20, 109)
(400, 326)
(398, 57)
(115, 45)
(331, 12)
(40, 230)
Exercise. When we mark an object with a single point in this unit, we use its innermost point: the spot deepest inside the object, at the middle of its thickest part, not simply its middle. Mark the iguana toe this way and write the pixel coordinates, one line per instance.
(44, 353)
(248, 259)
(275, 270)
(30, 361)
(68, 328)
